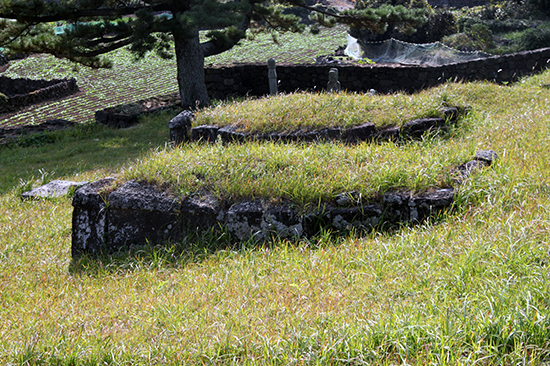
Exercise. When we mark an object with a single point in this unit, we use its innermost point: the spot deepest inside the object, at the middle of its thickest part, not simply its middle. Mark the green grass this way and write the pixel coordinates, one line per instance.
(468, 288)
(306, 112)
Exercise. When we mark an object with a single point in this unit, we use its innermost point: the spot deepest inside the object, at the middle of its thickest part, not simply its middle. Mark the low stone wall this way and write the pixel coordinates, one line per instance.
(127, 115)
(181, 124)
(24, 92)
(106, 219)
(251, 79)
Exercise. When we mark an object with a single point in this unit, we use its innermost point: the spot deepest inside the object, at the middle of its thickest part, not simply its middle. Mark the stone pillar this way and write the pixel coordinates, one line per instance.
(272, 75)
(333, 85)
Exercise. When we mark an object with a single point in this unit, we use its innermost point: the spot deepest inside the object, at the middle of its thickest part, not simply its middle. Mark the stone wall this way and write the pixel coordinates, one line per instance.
(24, 92)
(107, 218)
(251, 79)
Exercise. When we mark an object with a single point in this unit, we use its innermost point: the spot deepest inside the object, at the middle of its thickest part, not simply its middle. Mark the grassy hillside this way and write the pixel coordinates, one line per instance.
(469, 288)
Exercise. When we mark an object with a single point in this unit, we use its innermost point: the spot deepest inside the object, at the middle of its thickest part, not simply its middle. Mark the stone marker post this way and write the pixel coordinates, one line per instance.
(272, 75)
(333, 85)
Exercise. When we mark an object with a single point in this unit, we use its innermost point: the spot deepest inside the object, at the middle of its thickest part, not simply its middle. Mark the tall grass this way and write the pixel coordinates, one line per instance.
(469, 288)
(304, 111)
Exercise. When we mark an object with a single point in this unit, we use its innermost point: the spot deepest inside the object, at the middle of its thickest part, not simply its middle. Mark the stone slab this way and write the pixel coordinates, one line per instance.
(53, 189)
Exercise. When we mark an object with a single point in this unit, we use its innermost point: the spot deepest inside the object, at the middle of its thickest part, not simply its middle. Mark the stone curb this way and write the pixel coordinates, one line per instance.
(364, 132)
(25, 92)
(107, 219)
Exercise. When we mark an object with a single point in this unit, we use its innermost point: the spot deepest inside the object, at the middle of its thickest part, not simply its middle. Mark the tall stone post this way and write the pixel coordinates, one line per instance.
(272, 75)
(333, 85)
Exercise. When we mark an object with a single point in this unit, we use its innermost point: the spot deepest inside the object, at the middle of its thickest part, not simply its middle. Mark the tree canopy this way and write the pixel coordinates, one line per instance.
(92, 28)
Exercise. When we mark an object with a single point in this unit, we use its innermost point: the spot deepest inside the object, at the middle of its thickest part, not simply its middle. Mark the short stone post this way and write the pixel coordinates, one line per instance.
(272, 75)
(180, 126)
(333, 85)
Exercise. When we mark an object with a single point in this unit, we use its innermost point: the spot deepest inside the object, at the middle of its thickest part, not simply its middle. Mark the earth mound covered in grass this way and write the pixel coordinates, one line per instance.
(306, 112)
(16, 94)
(258, 189)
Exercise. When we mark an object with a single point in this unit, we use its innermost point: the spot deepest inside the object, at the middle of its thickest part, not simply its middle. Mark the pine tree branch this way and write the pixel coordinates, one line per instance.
(214, 47)
(82, 13)
(102, 50)
(25, 29)
(98, 41)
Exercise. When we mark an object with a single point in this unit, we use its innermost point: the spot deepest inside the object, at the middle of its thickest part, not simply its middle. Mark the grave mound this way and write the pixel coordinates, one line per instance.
(16, 94)
(110, 216)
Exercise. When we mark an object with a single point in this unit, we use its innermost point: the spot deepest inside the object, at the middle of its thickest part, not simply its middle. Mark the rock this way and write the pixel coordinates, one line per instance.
(200, 211)
(137, 213)
(432, 203)
(348, 199)
(230, 134)
(487, 156)
(362, 132)
(55, 188)
(416, 128)
(464, 171)
(451, 114)
(89, 218)
(140, 214)
(244, 220)
(387, 134)
(396, 207)
(204, 133)
(358, 218)
(282, 222)
(330, 134)
(180, 126)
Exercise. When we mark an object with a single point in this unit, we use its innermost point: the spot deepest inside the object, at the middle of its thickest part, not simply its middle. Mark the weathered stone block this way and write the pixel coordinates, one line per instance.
(359, 218)
(55, 188)
(244, 220)
(281, 221)
(396, 207)
(362, 132)
(488, 156)
(418, 127)
(140, 214)
(180, 126)
(204, 133)
(200, 212)
(464, 171)
(89, 218)
(388, 134)
(432, 203)
(230, 134)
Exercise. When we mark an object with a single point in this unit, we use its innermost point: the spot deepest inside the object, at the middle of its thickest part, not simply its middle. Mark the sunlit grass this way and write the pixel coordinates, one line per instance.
(469, 288)
(306, 112)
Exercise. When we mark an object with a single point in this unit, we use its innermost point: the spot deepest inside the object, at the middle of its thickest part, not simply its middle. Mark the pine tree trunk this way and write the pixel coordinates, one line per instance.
(190, 68)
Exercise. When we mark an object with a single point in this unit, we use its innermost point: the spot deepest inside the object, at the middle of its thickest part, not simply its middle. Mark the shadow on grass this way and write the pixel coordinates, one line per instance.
(82, 149)
(218, 243)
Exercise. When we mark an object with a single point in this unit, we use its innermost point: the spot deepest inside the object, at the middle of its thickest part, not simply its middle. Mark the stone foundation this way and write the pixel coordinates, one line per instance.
(106, 219)
(20, 93)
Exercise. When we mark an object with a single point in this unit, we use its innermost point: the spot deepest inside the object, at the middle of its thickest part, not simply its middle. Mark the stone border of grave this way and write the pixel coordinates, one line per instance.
(108, 218)
(19, 93)
(181, 130)
(127, 115)
(11, 135)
